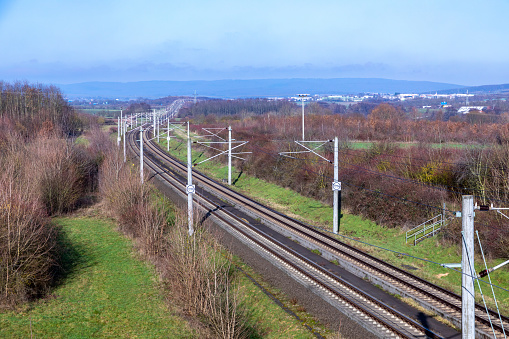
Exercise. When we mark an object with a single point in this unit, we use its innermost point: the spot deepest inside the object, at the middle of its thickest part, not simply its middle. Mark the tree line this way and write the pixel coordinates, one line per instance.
(30, 106)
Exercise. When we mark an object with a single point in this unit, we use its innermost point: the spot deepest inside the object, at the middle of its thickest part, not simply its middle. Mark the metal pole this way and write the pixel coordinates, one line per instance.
(124, 130)
(190, 186)
(229, 155)
(118, 130)
(302, 118)
(468, 271)
(168, 137)
(158, 123)
(336, 187)
(141, 153)
(154, 121)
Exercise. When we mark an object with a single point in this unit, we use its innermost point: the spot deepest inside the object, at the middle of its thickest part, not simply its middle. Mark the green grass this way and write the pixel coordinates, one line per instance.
(368, 145)
(107, 292)
(357, 231)
(102, 111)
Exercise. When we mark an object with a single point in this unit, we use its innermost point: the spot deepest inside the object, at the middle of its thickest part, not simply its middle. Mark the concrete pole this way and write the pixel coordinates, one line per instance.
(190, 187)
(336, 190)
(229, 155)
(141, 153)
(467, 265)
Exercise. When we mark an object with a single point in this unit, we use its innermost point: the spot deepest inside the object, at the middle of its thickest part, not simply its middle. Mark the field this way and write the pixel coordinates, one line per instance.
(101, 111)
(367, 145)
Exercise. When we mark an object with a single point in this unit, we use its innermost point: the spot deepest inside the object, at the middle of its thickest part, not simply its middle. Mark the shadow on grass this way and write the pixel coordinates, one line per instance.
(238, 177)
(71, 256)
(198, 157)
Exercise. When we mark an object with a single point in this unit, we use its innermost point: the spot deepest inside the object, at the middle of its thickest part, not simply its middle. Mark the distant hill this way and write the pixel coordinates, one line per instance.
(248, 88)
(503, 88)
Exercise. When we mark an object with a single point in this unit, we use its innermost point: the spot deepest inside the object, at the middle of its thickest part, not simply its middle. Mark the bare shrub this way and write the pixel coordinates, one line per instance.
(203, 280)
(59, 171)
(27, 245)
(152, 224)
(124, 194)
(224, 312)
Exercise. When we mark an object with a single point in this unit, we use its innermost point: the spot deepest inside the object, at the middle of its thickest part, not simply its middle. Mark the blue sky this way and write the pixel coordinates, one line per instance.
(69, 41)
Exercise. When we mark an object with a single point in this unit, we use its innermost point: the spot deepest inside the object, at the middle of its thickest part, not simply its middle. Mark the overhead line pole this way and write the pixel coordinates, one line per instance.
(124, 130)
(168, 136)
(302, 96)
(229, 155)
(141, 152)
(190, 187)
(336, 188)
(118, 129)
(468, 271)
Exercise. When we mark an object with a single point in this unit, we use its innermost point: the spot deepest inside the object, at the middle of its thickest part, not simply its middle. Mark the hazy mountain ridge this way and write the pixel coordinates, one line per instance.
(501, 88)
(249, 88)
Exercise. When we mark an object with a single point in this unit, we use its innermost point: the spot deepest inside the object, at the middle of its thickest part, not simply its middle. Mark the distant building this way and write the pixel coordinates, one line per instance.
(406, 96)
(467, 109)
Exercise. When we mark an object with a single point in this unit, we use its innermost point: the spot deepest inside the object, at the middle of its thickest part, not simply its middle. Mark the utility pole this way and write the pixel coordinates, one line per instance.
(302, 96)
(124, 131)
(468, 271)
(336, 184)
(118, 129)
(168, 136)
(158, 123)
(190, 187)
(336, 188)
(141, 153)
(229, 155)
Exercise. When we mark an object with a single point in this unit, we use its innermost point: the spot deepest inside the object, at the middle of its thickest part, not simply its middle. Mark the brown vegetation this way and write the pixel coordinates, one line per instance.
(30, 107)
(393, 185)
(42, 174)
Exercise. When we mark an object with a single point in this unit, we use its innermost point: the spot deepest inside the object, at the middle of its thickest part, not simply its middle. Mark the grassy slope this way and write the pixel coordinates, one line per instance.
(357, 228)
(107, 292)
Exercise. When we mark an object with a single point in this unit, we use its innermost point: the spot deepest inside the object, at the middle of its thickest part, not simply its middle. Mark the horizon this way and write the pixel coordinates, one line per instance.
(62, 42)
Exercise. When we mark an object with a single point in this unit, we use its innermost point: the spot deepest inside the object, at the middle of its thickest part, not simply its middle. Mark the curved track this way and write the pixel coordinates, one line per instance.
(434, 297)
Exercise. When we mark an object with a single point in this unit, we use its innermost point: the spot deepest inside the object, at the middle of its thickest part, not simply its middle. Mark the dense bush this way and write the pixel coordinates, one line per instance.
(61, 172)
(41, 174)
(27, 245)
(27, 239)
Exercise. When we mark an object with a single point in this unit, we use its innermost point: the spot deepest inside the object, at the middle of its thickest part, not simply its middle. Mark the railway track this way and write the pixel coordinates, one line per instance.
(443, 302)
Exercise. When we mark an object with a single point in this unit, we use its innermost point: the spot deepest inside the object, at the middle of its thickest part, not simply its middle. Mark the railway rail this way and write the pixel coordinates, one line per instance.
(441, 301)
